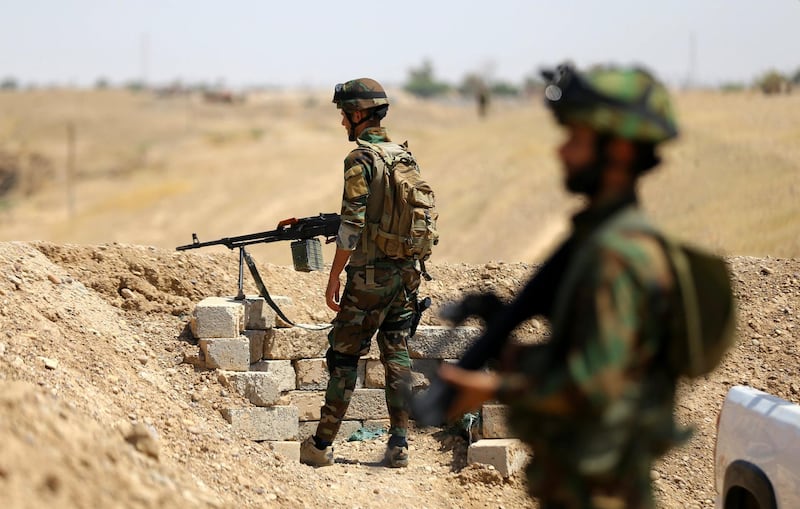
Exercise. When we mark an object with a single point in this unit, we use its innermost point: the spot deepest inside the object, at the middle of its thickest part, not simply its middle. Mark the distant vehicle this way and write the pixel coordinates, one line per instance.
(757, 453)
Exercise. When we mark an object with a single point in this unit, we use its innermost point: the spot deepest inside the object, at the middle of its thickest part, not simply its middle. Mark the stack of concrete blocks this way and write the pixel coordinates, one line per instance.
(306, 348)
(231, 335)
(498, 446)
(282, 371)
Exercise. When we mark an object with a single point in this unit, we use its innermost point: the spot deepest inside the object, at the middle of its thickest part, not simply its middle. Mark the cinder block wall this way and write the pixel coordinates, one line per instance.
(282, 371)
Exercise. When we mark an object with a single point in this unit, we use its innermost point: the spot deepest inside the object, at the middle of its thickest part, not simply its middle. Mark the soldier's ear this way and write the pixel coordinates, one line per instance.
(358, 116)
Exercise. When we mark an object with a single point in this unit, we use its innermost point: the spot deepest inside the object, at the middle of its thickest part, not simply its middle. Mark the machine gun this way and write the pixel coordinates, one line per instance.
(306, 248)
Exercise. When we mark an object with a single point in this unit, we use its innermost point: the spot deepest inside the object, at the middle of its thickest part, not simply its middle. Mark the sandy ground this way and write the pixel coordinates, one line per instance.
(99, 408)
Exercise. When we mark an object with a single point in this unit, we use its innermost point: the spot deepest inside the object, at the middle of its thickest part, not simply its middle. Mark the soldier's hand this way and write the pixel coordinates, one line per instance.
(472, 388)
(482, 305)
(332, 294)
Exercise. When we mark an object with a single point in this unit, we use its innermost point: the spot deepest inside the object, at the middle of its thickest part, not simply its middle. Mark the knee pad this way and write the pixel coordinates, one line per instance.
(340, 360)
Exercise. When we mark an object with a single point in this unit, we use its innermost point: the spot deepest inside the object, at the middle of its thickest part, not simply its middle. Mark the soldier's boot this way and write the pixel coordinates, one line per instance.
(311, 455)
(397, 452)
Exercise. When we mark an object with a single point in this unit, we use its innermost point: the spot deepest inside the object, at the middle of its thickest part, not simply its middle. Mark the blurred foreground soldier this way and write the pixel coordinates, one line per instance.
(596, 401)
(381, 289)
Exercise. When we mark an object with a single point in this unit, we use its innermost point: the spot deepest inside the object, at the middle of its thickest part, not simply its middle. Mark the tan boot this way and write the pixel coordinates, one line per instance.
(397, 456)
(310, 455)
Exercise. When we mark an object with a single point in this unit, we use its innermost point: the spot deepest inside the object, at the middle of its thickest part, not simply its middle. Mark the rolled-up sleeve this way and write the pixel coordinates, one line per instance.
(357, 172)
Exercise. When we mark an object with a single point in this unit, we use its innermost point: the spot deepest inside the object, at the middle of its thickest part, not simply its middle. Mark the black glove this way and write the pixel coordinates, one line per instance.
(483, 305)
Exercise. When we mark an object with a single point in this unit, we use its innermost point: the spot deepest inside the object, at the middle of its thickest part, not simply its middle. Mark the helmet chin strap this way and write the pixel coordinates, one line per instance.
(351, 133)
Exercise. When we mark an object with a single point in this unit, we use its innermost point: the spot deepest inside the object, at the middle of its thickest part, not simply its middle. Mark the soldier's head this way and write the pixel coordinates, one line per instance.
(615, 118)
(363, 103)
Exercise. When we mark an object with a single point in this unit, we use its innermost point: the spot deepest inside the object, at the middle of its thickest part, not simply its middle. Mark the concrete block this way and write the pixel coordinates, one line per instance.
(286, 304)
(312, 374)
(422, 372)
(288, 451)
(308, 403)
(232, 354)
(217, 317)
(438, 342)
(373, 424)
(347, 428)
(257, 338)
(264, 385)
(494, 422)
(365, 404)
(368, 404)
(258, 315)
(296, 343)
(506, 455)
(374, 374)
(264, 423)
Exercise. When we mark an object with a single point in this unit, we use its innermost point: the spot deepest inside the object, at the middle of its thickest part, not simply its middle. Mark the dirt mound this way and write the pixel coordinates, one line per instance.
(98, 409)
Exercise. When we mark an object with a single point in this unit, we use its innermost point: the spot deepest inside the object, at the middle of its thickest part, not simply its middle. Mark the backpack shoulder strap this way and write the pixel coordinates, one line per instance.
(628, 219)
(703, 286)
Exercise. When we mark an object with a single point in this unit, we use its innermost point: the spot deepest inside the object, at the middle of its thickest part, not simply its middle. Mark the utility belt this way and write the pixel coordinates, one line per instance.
(368, 257)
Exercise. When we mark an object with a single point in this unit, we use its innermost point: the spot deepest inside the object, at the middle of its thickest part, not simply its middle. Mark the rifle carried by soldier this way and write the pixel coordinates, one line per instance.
(306, 248)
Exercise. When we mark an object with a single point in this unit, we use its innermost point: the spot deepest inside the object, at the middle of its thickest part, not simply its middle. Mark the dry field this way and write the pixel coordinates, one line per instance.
(153, 170)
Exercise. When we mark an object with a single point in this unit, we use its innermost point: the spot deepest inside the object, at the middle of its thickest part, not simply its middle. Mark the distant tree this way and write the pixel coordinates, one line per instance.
(471, 84)
(134, 85)
(504, 88)
(101, 83)
(9, 83)
(422, 82)
(796, 77)
(532, 84)
(732, 86)
(772, 82)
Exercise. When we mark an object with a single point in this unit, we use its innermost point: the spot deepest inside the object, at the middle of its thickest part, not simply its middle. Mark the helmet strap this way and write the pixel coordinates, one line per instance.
(351, 134)
(588, 179)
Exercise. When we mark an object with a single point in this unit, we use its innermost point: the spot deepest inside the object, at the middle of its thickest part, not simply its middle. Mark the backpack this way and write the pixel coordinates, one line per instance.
(403, 224)
(705, 329)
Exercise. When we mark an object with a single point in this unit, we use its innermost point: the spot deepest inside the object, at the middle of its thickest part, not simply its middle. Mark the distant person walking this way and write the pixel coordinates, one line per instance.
(596, 401)
(482, 98)
(381, 289)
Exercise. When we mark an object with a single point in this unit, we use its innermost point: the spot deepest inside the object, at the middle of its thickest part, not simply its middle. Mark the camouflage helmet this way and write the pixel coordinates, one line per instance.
(629, 103)
(359, 94)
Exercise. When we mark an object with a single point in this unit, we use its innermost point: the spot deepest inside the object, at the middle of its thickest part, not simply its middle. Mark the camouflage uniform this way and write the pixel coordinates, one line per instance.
(387, 306)
(605, 360)
(595, 402)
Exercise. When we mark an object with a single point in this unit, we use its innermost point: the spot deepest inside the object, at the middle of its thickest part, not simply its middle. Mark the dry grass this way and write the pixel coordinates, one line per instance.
(152, 171)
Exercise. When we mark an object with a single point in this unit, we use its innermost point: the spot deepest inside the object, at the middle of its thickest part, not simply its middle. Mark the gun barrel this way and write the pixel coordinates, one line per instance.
(322, 225)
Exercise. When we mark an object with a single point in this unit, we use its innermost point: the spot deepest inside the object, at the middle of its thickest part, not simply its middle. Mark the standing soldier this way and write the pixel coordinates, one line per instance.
(380, 293)
(595, 402)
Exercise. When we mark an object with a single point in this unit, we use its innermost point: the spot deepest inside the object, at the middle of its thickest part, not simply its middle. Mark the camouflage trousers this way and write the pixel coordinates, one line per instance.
(558, 486)
(387, 307)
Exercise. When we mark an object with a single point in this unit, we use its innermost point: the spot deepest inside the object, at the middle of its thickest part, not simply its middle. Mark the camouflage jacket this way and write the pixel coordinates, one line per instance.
(597, 397)
(359, 169)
